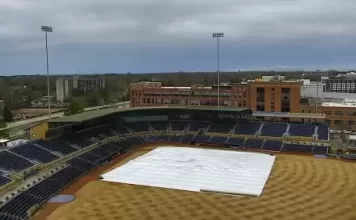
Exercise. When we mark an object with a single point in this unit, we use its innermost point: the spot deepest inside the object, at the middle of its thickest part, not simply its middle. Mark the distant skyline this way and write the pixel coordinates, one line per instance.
(148, 36)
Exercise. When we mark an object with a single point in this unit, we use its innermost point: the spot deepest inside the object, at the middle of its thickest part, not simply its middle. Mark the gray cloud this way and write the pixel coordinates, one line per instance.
(173, 21)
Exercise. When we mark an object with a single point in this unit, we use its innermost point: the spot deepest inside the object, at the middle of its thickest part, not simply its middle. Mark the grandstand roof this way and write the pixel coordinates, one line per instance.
(88, 115)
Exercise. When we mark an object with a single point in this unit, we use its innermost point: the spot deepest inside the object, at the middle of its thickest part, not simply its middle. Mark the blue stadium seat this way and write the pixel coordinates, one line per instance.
(273, 129)
(4, 180)
(221, 127)
(247, 128)
(201, 139)
(159, 125)
(76, 140)
(218, 140)
(196, 126)
(323, 132)
(175, 138)
(272, 145)
(297, 148)
(139, 127)
(186, 139)
(34, 153)
(301, 130)
(12, 162)
(56, 146)
(178, 125)
(252, 143)
(235, 141)
(81, 164)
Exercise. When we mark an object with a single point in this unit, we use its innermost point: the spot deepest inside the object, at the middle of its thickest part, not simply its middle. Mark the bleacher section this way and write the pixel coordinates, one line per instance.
(178, 125)
(159, 125)
(323, 132)
(139, 127)
(273, 129)
(55, 146)
(272, 145)
(247, 128)
(34, 153)
(196, 126)
(301, 130)
(12, 162)
(221, 127)
(253, 143)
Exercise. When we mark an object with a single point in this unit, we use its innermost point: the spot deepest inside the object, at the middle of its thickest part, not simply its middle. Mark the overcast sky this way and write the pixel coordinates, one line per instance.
(99, 36)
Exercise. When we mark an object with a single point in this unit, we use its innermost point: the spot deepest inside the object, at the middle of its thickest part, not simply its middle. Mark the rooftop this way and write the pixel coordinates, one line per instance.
(339, 104)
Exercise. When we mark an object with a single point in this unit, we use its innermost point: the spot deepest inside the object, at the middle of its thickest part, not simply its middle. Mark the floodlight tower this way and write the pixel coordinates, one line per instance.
(217, 36)
(47, 29)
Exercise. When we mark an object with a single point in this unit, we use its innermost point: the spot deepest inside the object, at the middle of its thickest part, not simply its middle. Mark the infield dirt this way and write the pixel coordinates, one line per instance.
(299, 188)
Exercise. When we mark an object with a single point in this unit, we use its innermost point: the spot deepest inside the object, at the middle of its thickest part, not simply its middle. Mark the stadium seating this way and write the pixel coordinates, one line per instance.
(196, 126)
(12, 162)
(90, 157)
(253, 143)
(139, 127)
(235, 141)
(159, 125)
(323, 132)
(221, 127)
(273, 129)
(272, 145)
(175, 138)
(297, 148)
(247, 128)
(4, 180)
(201, 139)
(56, 146)
(218, 140)
(186, 139)
(34, 153)
(76, 141)
(301, 130)
(81, 164)
(178, 125)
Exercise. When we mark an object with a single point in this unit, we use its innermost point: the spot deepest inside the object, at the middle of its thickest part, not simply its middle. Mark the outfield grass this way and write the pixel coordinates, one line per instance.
(299, 188)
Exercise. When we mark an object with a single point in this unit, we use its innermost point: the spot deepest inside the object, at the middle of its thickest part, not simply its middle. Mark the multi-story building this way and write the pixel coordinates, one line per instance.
(88, 83)
(258, 96)
(65, 86)
(63, 89)
(344, 83)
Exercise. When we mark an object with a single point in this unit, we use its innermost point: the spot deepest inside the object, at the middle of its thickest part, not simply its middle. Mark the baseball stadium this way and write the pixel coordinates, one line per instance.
(176, 163)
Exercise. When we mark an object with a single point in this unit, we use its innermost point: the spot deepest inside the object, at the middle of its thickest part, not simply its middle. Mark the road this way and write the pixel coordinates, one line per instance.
(60, 114)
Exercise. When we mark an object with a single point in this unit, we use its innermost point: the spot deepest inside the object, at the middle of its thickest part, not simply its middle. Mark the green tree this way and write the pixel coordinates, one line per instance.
(76, 105)
(7, 114)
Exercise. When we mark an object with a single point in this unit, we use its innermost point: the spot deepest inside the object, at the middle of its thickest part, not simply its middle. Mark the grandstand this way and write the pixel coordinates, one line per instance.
(33, 172)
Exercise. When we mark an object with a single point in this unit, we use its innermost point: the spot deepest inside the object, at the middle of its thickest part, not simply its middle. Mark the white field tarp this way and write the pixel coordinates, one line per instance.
(194, 169)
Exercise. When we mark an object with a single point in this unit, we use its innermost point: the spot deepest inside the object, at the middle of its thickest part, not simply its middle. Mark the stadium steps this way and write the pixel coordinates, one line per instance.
(282, 146)
(259, 131)
(130, 130)
(150, 128)
(233, 129)
(187, 127)
(169, 127)
(263, 143)
(287, 131)
(207, 128)
(315, 135)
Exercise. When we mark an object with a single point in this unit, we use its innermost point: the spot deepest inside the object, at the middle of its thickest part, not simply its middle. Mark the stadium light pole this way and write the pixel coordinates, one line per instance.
(217, 36)
(47, 29)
